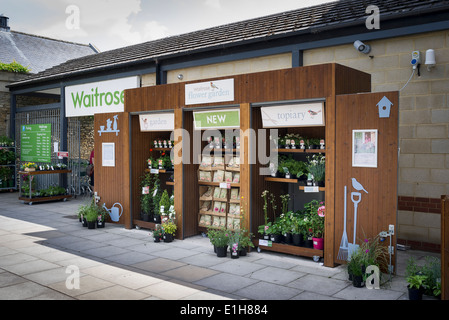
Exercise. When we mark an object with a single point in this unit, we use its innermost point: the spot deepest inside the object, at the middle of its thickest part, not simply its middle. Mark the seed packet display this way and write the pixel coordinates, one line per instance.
(218, 176)
(206, 206)
(236, 178)
(230, 224)
(206, 162)
(235, 193)
(203, 219)
(216, 222)
(217, 193)
(232, 209)
(207, 221)
(208, 193)
(228, 176)
(222, 222)
(218, 162)
(207, 176)
(223, 193)
(217, 206)
(236, 224)
(223, 208)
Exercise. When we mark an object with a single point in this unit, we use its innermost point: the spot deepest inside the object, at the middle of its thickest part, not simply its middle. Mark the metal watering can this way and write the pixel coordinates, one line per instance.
(114, 212)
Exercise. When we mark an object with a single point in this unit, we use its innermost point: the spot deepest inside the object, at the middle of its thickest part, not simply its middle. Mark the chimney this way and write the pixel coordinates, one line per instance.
(4, 25)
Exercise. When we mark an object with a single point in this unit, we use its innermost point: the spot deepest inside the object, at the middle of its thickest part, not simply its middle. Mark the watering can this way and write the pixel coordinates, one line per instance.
(115, 212)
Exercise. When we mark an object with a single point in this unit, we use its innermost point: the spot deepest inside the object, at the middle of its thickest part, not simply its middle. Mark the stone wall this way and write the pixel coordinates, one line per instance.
(423, 127)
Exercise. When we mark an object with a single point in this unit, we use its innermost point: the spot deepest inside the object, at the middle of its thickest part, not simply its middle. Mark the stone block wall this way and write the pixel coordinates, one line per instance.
(423, 127)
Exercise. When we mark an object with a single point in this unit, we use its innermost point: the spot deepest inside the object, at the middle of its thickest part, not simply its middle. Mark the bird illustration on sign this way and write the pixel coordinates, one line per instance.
(313, 113)
(213, 86)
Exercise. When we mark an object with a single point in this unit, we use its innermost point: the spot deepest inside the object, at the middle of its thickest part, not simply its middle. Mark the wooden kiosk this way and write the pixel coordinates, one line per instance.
(348, 105)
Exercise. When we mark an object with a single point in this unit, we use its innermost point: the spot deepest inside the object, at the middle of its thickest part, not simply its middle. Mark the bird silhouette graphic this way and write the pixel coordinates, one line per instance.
(213, 86)
(356, 185)
(313, 113)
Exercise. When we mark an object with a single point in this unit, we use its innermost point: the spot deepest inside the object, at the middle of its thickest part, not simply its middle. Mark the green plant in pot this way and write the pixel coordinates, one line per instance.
(169, 229)
(219, 238)
(158, 233)
(164, 203)
(263, 229)
(156, 193)
(91, 216)
(415, 279)
(146, 198)
(317, 167)
(245, 242)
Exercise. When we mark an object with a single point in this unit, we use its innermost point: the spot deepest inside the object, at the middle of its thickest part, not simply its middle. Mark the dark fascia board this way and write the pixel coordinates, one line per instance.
(391, 26)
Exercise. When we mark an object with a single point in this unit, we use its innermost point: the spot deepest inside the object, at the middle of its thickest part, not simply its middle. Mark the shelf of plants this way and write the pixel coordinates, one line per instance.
(27, 188)
(155, 182)
(7, 164)
(298, 232)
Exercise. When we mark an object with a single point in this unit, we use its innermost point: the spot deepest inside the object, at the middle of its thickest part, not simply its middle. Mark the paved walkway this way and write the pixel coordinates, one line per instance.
(43, 245)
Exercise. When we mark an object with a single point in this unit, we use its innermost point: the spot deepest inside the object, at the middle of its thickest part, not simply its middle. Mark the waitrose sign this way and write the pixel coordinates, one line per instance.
(98, 97)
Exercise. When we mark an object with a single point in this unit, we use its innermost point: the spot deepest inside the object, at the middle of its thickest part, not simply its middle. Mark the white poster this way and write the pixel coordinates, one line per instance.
(98, 97)
(293, 115)
(209, 92)
(364, 148)
(157, 122)
(108, 154)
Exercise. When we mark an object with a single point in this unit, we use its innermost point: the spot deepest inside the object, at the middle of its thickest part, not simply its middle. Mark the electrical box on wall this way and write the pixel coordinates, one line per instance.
(416, 58)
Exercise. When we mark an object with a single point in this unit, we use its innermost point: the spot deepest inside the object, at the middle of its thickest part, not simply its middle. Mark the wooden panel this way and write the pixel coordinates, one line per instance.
(245, 122)
(178, 175)
(444, 247)
(377, 209)
(112, 183)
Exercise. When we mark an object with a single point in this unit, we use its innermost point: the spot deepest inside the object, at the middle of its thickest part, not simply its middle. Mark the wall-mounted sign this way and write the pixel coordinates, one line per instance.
(217, 119)
(108, 154)
(209, 92)
(157, 122)
(98, 97)
(110, 127)
(35, 143)
(293, 115)
(364, 148)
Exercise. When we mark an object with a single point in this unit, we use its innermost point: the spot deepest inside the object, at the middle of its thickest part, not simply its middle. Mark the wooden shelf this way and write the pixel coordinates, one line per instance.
(285, 180)
(170, 183)
(161, 149)
(217, 184)
(319, 188)
(37, 172)
(44, 199)
(160, 170)
(290, 249)
(300, 150)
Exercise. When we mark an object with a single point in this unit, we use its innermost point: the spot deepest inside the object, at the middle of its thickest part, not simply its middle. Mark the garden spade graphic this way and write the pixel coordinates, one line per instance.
(356, 197)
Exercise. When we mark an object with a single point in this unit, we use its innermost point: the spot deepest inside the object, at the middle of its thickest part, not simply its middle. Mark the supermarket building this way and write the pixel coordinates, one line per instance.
(303, 37)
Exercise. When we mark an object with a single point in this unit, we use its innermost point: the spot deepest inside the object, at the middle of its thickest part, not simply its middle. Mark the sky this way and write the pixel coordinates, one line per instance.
(112, 24)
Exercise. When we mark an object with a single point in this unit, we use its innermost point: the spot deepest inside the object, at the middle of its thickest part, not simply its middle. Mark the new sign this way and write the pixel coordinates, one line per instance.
(217, 119)
(98, 97)
(209, 92)
(157, 122)
(293, 115)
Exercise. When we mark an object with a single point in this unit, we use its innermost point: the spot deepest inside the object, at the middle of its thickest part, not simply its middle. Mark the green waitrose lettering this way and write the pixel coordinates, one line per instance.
(97, 99)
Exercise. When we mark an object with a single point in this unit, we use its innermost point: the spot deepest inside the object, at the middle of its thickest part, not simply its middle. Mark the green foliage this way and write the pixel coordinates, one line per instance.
(14, 67)
(165, 202)
(218, 237)
(169, 227)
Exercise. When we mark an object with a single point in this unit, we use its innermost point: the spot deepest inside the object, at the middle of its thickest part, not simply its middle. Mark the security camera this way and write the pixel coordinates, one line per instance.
(361, 47)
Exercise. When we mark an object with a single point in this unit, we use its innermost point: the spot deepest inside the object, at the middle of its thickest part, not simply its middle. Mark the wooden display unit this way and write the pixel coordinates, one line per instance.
(348, 105)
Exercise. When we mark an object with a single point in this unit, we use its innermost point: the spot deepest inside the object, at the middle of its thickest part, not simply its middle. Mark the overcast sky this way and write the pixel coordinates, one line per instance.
(111, 24)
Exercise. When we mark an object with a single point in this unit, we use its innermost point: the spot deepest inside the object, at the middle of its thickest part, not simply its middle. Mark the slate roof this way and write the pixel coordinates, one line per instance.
(39, 53)
(308, 20)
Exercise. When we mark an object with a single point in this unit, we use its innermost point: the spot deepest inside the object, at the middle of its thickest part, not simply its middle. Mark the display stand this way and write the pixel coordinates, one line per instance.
(30, 198)
(8, 179)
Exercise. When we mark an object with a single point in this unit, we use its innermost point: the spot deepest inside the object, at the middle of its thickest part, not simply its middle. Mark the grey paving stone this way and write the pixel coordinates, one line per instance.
(8, 279)
(129, 258)
(22, 291)
(175, 253)
(276, 275)
(189, 273)
(31, 267)
(226, 282)
(158, 265)
(318, 284)
(237, 266)
(267, 291)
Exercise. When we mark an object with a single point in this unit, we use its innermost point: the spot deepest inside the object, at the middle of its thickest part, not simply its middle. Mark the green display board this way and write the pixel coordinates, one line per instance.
(35, 143)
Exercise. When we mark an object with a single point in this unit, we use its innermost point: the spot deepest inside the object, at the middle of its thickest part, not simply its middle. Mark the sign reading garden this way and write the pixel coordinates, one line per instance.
(35, 143)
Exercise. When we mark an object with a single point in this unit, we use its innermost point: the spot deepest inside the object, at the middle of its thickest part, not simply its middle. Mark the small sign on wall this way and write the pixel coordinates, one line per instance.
(157, 122)
(364, 148)
(108, 154)
(209, 92)
(293, 115)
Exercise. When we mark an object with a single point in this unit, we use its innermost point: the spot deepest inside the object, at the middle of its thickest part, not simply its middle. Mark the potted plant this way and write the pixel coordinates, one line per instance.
(263, 229)
(297, 226)
(164, 204)
(157, 233)
(219, 239)
(82, 211)
(356, 268)
(156, 193)
(233, 243)
(415, 279)
(101, 217)
(91, 216)
(245, 242)
(317, 167)
(317, 220)
(169, 230)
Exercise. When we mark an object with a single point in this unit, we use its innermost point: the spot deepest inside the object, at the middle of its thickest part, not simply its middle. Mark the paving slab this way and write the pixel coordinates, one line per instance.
(226, 282)
(238, 267)
(189, 273)
(276, 275)
(114, 293)
(158, 265)
(267, 291)
(319, 284)
(22, 291)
